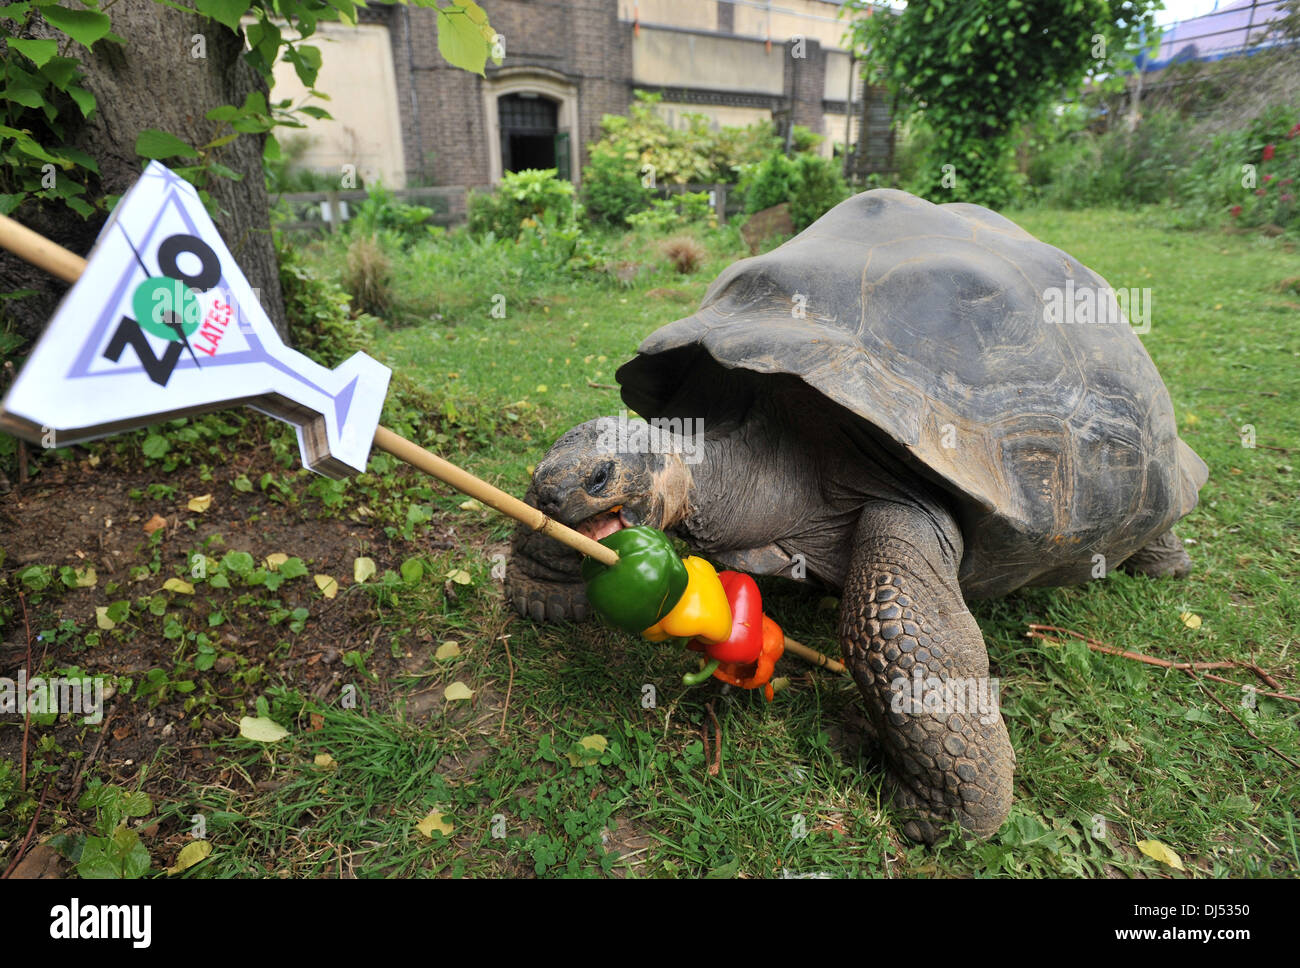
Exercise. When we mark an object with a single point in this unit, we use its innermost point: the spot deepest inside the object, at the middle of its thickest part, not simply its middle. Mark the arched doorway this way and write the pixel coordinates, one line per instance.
(529, 124)
(531, 113)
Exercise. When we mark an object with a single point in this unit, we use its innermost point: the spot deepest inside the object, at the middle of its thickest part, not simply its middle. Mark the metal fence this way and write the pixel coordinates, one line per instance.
(327, 211)
(1243, 27)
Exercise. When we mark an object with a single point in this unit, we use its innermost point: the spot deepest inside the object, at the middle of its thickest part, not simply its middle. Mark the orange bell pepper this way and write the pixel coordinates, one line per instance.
(757, 674)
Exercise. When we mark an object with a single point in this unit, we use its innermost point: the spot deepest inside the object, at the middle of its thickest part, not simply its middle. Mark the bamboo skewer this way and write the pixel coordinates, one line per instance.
(465, 482)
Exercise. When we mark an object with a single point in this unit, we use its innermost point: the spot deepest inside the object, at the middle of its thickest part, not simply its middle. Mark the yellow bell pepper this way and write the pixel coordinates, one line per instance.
(702, 612)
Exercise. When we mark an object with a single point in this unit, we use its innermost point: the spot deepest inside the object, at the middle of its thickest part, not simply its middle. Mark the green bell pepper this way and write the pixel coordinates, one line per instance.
(643, 586)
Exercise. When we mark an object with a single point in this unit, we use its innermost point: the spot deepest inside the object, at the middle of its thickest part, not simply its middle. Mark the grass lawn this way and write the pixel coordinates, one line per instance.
(1111, 752)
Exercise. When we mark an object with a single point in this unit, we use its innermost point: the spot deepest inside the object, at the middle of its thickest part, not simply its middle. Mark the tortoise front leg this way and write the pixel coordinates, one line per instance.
(919, 659)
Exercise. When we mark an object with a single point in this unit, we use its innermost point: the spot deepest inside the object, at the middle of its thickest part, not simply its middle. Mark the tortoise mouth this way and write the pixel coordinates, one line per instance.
(606, 522)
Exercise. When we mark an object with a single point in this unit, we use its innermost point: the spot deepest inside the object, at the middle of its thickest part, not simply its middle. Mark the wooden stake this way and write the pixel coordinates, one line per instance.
(40, 251)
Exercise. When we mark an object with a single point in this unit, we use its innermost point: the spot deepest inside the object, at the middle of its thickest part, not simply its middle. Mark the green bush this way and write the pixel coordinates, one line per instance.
(769, 183)
(318, 311)
(381, 212)
(675, 211)
(669, 155)
(818, 188)
(811, 184)
(522, 197)
(612, 188)
(1171, 160)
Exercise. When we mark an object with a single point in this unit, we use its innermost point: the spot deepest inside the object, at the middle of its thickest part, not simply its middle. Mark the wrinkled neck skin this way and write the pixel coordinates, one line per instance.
(789, 481)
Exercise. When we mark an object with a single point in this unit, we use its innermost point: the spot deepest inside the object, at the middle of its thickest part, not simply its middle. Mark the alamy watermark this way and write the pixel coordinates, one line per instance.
(659, 435)
(1097, 305)
(54, 694)
(935, 696)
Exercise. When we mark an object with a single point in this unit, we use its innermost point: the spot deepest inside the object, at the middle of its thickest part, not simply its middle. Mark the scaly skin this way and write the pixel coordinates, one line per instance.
(902, 611)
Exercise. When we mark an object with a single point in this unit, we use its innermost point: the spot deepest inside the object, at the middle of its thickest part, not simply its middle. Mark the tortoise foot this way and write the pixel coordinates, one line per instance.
(1163, 557)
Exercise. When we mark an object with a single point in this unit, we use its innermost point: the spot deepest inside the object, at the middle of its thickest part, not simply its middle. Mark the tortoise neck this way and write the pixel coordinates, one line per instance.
(755, 484)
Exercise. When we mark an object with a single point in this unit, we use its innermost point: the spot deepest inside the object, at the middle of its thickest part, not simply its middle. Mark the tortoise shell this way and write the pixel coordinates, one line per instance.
(940, 326)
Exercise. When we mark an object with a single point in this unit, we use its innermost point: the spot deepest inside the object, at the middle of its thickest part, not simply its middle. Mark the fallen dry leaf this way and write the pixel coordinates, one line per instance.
(590, 748)
(190, 854)
(1158, 851)
(327, 585)
(275, 560)
(324, 761)
(154, 523)
(434, 821)
(1190, 619)
(178, 586)
(362, 568)
(261, 729)
(200, 503)
(448, 650)
(457, 690)
(101, 618)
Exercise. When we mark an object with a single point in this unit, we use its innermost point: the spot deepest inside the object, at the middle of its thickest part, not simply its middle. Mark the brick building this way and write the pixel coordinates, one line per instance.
(407, 116)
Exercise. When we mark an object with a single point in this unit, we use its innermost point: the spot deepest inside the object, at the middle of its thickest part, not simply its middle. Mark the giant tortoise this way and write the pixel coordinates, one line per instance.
(893, 405)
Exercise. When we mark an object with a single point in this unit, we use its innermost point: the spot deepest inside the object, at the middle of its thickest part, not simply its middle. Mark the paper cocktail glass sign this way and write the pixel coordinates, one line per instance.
(163, 324)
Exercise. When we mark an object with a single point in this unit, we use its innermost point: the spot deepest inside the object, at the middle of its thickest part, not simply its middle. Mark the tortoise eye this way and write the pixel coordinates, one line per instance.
(600, 478)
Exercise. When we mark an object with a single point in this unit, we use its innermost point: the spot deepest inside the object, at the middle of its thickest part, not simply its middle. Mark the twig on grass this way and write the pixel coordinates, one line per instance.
(505, 641)
(1240, 723)
(80, 778)
(27, 713)
(22, 851)
(1035, 632)
(716, 764)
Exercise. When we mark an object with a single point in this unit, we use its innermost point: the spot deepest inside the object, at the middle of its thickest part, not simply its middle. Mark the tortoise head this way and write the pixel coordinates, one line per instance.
(600, 476)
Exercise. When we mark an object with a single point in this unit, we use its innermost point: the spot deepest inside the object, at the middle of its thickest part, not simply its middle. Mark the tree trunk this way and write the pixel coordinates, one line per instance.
(154, 81)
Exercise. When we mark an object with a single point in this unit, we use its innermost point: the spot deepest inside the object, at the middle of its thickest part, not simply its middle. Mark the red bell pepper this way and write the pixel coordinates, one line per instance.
(745, 643)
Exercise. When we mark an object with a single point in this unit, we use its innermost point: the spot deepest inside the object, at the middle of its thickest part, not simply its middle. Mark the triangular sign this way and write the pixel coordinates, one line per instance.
(163, 324)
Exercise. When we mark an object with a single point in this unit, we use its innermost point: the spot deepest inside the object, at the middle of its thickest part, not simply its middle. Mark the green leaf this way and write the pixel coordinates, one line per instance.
(136, 804)
(80, 206)
(347, 10)
(306, 62)
(225, 139)
(155, 445)
(314, 112)
(152, 143)
(85, 100)
(293, 568)
(226, 12)
(82, 159)
(226, 112)
(59, 71)
(38, 51)
(24, 96)
(83, 26)
(96, 862)
(412, 570)
(460, 41)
